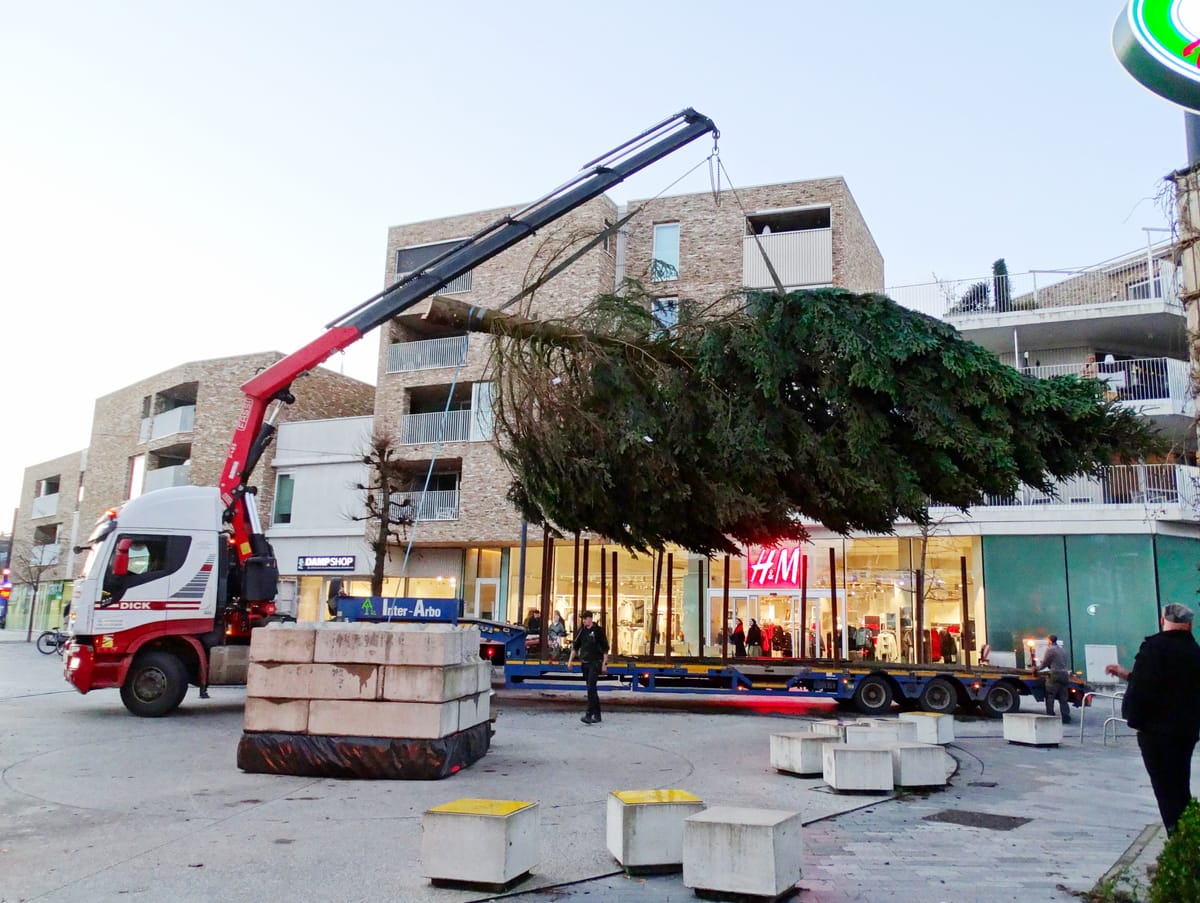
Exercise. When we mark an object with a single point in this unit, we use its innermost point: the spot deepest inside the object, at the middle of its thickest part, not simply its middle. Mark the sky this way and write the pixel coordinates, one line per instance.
(182, 181)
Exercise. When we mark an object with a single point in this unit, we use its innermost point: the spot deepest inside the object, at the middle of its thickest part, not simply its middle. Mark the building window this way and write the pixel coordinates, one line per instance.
(409, 260)
(665, 312)
(48, 486)
(46, 535)
(665, 265)
(285, 488)
(137, 476)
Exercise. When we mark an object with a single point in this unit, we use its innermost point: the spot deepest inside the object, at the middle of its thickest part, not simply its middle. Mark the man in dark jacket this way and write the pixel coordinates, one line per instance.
(591, 646)
(1162, 704)
(1058, 677)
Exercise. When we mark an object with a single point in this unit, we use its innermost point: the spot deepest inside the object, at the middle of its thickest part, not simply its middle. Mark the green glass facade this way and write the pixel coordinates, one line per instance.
(1089, 590)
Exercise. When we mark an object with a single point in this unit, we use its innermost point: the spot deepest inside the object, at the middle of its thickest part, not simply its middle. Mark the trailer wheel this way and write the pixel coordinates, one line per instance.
(940, 696)
(155, 684)
(873, 695)
(1000, 699)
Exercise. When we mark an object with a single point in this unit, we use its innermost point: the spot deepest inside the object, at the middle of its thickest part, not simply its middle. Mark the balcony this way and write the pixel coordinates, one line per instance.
(800, 258)
(437, 505)
(168, 423)
(429, 354)
(166, 477)
(1169, 491)
(446, 426)
(44, 506)
(43, 555)
(1157, 386)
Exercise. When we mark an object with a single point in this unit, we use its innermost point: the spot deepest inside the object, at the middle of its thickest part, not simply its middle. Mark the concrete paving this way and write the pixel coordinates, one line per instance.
(98, 805)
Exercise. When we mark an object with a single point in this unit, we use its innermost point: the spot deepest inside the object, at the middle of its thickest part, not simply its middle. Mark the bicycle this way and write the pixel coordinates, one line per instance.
(51, 641)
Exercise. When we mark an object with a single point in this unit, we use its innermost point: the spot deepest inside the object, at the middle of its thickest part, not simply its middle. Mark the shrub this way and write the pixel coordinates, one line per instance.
(1178, 876)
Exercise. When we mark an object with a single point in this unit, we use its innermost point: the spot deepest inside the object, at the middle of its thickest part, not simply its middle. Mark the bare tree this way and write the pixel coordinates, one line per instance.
(388, 513)
(31, 566)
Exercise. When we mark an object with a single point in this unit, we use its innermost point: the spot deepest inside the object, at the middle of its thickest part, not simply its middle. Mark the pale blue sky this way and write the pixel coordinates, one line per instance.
(181, 181)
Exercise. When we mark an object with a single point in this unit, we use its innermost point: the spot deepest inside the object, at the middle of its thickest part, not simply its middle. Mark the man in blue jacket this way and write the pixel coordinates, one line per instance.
(1162, 704)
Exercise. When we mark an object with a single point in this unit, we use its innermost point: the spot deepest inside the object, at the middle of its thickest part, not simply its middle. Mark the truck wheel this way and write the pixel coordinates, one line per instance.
(940, 696)
(873, 695)
(1000, 699)
(155, 685)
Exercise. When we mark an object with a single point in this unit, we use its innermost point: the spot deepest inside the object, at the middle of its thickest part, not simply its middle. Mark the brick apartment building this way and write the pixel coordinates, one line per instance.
(170, 429)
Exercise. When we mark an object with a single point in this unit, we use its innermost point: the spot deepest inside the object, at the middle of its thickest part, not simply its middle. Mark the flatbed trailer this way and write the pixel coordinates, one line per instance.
(869, 687)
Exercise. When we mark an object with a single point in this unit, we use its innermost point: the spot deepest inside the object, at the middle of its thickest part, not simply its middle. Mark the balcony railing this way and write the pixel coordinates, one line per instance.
(451, 426)
(166, 477)
(1131, 279)
(799, 258)
(168, 423)
(44, 506)
(440, 504)
(44, 555)
(1155, 486)
(1143, 379)
(429, 354)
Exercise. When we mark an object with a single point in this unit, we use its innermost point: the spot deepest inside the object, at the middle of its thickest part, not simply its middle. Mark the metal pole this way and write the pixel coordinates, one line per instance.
(670, 582)
(603, 584)
(521, 573)
(615, 615)
(575, 612)
(963, 646)
(725, 615)
(919, 617)
(801, 646)
(833, 602)
(575, 583)
(653, 631)
(547, 578)
(702, 596)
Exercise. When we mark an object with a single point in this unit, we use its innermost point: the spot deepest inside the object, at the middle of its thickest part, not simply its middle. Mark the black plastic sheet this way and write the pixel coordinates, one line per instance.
(364, 758)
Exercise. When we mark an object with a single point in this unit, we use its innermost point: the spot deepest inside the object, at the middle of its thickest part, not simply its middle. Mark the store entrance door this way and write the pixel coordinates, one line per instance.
(487, 591)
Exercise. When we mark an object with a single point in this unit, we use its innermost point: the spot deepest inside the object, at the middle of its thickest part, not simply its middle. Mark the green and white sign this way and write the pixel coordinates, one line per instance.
(1158, 43)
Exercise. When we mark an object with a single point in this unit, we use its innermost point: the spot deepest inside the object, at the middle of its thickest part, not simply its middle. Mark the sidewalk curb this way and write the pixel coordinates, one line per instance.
(1133, 865)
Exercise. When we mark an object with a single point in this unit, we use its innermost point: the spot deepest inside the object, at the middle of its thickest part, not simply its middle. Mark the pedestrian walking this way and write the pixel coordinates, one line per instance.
(739, 640)
(754, 640)
(1058, 677)
(591, 646)
(1162, 703)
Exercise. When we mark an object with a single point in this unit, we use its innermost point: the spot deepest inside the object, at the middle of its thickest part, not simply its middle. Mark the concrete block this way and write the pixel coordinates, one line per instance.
(880, 732)
(799, 753)
(284, 716)
(352, 643)
(474, 841)
(412, 720)
(742, 851)
(313, 681)
(283, 643)
(932, 727)
(645, 827)
(920, 765)
(831, 728)
(855, 767)
(430, 683)
(473, 710)
(1033, 730)
(433, 644)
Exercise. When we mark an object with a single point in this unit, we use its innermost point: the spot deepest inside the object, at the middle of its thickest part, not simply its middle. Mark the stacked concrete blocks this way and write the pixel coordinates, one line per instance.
(1033, 730)
(743, 852)
(645, 828)
(399, 700)
(488, 844)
